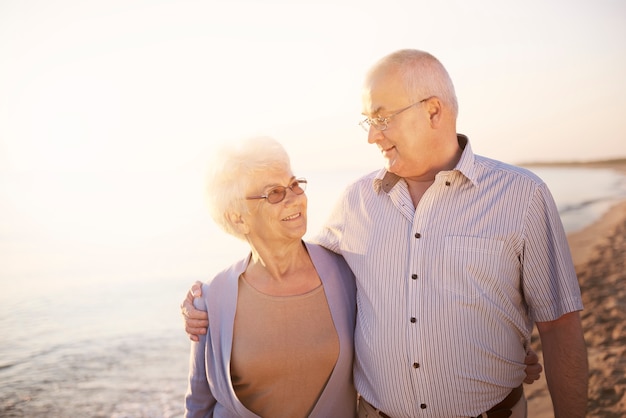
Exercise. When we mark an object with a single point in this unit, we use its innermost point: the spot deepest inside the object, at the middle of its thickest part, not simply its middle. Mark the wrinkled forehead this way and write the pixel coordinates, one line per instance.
(382, 90)
(272, 176)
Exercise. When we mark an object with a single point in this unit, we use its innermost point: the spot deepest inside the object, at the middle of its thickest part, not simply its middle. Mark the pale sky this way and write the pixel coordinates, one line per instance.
(126, 97)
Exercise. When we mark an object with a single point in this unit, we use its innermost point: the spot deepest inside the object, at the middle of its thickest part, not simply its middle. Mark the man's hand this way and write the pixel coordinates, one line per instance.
(533, 367)
(196, 322)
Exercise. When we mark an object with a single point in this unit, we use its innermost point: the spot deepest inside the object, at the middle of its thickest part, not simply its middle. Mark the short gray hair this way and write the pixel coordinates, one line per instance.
(423, 75)
(233, 167)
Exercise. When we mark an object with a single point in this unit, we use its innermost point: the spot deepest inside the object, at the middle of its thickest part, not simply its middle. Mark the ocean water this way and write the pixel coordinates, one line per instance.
(78, 344)
(582, 195)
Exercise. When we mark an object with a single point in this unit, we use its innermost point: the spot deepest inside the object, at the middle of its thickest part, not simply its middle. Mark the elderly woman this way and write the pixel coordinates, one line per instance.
(280, 343)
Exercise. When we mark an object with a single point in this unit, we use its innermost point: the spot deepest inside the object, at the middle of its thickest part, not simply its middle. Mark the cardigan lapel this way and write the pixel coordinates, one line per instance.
(224, 307)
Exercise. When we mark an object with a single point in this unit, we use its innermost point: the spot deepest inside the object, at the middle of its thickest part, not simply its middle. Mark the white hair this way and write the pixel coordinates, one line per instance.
(423, 75)
(233, 167)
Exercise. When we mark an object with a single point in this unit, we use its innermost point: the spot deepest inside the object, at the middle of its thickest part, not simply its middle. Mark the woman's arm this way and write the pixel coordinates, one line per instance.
(199, 401)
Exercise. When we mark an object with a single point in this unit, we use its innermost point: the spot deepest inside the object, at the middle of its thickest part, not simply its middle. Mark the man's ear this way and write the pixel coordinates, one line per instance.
(238, 222)
(435, 109)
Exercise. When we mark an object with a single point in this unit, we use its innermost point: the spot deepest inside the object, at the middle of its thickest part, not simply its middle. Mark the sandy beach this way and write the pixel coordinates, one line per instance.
(599, 253)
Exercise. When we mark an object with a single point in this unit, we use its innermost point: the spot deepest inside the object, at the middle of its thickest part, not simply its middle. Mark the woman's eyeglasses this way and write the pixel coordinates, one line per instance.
(278, 194)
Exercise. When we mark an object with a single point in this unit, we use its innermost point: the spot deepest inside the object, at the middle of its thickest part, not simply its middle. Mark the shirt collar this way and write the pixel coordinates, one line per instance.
(385, 180)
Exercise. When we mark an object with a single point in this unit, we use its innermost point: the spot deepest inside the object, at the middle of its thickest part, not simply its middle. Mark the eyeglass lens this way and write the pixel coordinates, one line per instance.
(277, 194)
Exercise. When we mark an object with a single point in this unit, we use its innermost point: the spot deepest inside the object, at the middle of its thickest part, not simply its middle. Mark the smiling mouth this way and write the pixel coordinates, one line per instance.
(292, 217)
(386, 150)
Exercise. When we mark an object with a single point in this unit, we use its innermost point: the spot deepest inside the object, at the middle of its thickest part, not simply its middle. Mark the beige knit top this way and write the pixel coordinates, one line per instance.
(284, 350)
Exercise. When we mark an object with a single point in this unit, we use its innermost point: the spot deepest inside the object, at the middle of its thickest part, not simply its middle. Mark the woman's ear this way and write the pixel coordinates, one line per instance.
(238, 222)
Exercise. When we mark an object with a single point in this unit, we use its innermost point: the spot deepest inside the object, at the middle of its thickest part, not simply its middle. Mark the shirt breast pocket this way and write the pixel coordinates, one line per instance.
(471, 264)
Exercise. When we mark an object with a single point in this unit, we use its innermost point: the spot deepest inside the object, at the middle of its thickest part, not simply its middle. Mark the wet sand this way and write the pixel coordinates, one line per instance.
(599, 253)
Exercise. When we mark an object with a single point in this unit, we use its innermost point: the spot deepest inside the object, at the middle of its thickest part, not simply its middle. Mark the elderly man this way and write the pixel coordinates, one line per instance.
(456, 256)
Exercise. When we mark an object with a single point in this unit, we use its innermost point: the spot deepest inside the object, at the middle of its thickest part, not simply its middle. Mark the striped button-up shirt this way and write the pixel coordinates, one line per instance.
(448, 292)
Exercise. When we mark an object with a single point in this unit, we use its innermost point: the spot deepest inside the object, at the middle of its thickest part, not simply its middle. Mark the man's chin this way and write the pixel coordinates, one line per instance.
(391, 167)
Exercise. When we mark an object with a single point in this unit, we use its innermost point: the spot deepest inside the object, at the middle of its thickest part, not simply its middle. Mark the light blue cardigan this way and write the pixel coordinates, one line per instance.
(210, 392)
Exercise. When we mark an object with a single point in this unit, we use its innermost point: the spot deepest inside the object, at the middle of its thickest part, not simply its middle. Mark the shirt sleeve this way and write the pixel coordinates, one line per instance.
(549, 279)
(332, 230)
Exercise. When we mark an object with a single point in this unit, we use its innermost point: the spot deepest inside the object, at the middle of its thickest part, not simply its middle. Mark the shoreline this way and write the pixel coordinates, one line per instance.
(599, 254)
(618, 164)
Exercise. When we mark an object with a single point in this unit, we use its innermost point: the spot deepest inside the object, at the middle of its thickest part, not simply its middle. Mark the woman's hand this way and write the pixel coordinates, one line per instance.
(533, 367)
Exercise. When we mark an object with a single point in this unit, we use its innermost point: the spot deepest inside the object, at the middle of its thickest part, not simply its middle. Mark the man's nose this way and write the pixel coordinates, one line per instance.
(374, 135)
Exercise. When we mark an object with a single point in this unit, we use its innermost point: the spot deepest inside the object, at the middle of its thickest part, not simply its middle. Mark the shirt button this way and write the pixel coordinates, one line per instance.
(416, 365)
(418, 235)
(423, 406)
(413, 320)
(414, 276)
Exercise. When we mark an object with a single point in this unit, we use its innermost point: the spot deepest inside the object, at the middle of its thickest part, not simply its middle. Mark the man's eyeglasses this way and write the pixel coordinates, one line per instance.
(277, 194)
(381, 123)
